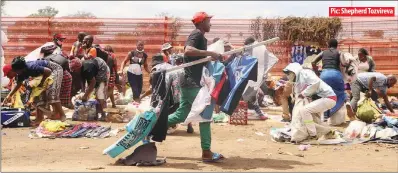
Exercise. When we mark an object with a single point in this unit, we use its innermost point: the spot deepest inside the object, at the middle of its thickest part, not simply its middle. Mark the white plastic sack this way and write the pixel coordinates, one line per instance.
(4, 41)
(339, 117)
(34, 55)
(203, 98)
(217, 47)
(4, 80)
(368, 132)
(354, 129)
(386, 133)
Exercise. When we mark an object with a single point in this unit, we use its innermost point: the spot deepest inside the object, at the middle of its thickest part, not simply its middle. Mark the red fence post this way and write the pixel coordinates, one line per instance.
(49, 27)
(165, 29)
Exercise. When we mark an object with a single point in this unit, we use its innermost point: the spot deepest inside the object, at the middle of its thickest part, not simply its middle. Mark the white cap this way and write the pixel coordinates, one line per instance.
(166, 46)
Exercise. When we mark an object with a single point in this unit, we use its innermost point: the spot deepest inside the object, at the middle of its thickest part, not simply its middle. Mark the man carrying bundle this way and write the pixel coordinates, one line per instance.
(195, 49)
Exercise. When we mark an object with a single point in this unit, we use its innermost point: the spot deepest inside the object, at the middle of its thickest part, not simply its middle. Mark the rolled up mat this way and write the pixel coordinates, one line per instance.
(137, 129)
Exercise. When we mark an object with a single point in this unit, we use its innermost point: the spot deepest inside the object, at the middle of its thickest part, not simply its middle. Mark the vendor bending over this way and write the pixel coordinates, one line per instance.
(23, 70)
(96, 72)
(371, 80)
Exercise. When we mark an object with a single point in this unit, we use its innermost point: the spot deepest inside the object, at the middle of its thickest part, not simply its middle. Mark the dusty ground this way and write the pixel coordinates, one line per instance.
(254, 153)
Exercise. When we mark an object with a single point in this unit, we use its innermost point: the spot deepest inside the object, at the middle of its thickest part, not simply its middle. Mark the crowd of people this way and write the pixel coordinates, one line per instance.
(90, 69)
(340, 82)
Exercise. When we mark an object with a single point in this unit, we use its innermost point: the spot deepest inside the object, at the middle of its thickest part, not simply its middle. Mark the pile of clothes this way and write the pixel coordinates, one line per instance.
(58, 129)
(393, 102)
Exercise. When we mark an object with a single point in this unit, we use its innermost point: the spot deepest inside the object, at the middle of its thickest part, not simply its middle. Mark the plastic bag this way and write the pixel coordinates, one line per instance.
(369, 131)
(354, 129)
(367, 111)
(85, 111)
(386, 133)
(339, 117)
(202, 100)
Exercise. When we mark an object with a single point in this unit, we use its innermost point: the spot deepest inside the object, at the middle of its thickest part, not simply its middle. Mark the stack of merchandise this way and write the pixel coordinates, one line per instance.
(58, 129)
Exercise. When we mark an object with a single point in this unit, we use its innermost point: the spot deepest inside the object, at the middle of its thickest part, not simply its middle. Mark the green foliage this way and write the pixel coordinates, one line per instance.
(315, 29)
(45, 12)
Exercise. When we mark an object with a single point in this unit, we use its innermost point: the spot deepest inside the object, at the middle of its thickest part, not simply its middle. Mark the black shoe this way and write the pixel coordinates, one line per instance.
(190, 128)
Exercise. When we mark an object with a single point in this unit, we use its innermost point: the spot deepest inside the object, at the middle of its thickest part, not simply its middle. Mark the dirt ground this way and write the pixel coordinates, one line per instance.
(182, 150)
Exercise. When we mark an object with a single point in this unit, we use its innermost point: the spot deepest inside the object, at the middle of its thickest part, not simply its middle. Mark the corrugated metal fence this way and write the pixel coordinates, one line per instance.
(378, 35)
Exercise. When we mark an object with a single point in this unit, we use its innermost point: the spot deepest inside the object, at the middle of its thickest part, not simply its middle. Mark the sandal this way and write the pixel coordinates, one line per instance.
(216, 158)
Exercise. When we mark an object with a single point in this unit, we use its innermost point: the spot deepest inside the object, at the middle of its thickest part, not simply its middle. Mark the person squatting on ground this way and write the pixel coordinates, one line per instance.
(137, 58)
(368, 81)
(195, 49)
(23, 70)
(306, 85)
(331, 75)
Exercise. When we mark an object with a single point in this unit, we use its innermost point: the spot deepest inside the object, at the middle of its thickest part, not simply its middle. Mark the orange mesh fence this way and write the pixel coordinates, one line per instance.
(378, 35)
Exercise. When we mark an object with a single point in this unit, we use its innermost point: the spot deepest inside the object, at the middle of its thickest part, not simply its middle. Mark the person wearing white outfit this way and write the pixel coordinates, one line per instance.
(306, 85)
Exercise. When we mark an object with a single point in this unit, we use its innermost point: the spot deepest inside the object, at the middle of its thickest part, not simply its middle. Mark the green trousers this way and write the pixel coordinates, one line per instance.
(188, 95)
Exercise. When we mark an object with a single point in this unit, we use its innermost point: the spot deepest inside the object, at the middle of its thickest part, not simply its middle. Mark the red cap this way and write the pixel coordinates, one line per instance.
(6, 69)
(200, 16)
(59, 36)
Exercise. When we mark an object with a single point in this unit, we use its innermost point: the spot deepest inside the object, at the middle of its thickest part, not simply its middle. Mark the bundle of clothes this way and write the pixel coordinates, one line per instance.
(382, 129)
(58, 129)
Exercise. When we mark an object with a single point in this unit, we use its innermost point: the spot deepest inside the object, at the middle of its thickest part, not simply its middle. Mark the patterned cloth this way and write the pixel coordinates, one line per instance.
(112, 78)
(66, 90)
(53, 92)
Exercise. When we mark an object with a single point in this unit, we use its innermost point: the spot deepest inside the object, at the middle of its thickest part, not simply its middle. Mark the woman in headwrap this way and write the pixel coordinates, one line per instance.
(44, 68)
(77, 83)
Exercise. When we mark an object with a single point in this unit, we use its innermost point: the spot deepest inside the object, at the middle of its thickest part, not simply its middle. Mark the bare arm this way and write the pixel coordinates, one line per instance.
(317, 59)
(76, 49)
(46, 74)
(388, 104)
(128, 57)
(89, 90)
(13, 91)
(315, 62)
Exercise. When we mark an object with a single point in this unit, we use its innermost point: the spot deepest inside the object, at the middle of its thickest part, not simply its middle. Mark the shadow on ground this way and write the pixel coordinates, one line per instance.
(236, 163)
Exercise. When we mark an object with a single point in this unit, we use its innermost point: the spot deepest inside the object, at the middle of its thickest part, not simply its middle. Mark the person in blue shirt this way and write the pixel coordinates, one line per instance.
(25, 70)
